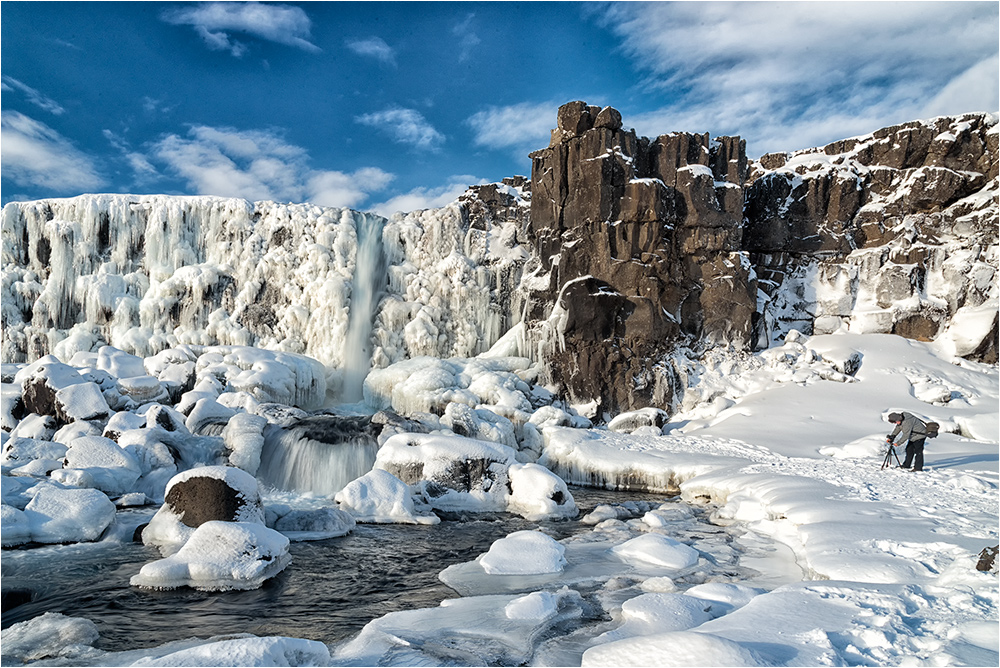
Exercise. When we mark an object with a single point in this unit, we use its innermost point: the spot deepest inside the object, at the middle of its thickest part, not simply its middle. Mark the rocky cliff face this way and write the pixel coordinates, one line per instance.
(892, 232)
(644, 244)
(637, 244)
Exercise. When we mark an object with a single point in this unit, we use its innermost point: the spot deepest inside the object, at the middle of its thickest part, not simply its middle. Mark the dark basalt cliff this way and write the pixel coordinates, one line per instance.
(644, 243)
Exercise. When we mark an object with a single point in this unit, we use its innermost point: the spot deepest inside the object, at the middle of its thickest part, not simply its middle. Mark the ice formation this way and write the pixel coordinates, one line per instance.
(148, 273)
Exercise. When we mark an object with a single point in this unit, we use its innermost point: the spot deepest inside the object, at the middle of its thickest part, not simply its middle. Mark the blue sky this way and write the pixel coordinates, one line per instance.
(397, 106)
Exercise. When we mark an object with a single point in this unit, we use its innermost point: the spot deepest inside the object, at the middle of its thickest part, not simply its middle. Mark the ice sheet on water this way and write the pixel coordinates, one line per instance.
(51, 634)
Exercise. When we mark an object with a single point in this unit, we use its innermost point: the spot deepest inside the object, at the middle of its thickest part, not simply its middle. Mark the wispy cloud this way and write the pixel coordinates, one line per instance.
(215, 23)
(406, 126)
(427, 198)
(34, 97)
(261, 165)
(467, 38)
(36, 155)
(374, 47)
(522, 128)
(142, 169)
(790, 75)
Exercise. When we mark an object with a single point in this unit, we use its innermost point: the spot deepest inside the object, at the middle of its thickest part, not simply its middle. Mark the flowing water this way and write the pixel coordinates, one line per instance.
(329, 592)
(367, 286)
(319, 454)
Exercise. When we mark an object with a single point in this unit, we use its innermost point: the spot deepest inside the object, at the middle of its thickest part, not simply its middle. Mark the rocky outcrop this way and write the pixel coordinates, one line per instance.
(637, 244)
(892, 232)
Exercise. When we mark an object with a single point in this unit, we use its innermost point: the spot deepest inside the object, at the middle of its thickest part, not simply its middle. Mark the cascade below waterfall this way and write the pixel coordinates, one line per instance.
(318, 455)
(367, 287)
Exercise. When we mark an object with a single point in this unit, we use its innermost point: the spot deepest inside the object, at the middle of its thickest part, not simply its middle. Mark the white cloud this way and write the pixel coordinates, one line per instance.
(790, 75)
(467, 38)
(261, 165)
(972, 90)
(216, 21)
(406, 126)
(427, 198)
(523, 127)
(34, 97)
(142, 169)
(36, 155)
(374, 47)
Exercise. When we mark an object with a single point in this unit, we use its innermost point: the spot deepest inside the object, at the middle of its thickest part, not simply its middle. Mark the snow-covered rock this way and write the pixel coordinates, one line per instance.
(524, 553)
(51, 634)
(380, 497)
(657, 550)
(451, 472)
(58, 514)
(204, 494)
(219, 556)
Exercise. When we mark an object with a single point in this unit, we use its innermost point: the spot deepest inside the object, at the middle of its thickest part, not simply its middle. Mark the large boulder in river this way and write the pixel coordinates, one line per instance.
(205, 494)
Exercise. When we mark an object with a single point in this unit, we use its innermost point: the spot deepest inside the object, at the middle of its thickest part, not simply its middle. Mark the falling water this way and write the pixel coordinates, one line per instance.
(368, 285)
(318, 454)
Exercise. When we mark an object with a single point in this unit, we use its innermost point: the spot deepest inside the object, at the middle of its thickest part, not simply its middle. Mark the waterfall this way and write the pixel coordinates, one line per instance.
(367, 288)
(318, 454)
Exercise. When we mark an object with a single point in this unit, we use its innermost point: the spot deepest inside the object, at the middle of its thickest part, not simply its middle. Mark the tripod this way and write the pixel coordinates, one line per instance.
(889, 455)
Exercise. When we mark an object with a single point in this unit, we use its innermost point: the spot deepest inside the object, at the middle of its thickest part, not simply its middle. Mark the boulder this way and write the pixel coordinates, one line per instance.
(450, 472)
(200, 495)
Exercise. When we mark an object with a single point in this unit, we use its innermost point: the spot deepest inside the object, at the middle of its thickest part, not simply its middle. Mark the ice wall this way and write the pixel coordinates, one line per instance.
(146, 273)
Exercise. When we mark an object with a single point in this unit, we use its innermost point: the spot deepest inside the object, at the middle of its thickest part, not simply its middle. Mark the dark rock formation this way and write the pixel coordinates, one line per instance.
(637, 245)
(200, 499)
(988, 559)
(885, 233)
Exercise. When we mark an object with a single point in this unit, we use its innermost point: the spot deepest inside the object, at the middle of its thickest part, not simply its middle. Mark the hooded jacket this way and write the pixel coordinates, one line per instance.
(911, 428)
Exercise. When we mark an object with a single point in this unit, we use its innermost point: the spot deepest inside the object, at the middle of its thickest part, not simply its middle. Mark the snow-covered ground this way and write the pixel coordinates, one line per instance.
(838, 562)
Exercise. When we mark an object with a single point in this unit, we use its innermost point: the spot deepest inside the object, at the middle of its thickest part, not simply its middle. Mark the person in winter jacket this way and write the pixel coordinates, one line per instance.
(910, 430)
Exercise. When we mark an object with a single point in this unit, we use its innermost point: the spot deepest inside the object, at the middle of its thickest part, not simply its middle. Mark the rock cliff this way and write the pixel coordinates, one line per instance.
(641, 245)
(637, 243)
(892, 232)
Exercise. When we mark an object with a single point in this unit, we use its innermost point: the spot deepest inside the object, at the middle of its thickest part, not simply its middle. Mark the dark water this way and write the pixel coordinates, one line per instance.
(329, 592)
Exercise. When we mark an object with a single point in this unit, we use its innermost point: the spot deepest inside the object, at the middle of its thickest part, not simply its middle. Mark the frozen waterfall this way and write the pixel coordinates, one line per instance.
(368, 285)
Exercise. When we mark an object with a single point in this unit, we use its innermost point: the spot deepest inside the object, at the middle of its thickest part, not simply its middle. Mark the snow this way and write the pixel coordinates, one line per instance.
(220, 556)
(48, 635)
(381, 498)
(58, 514)
(524, 553)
